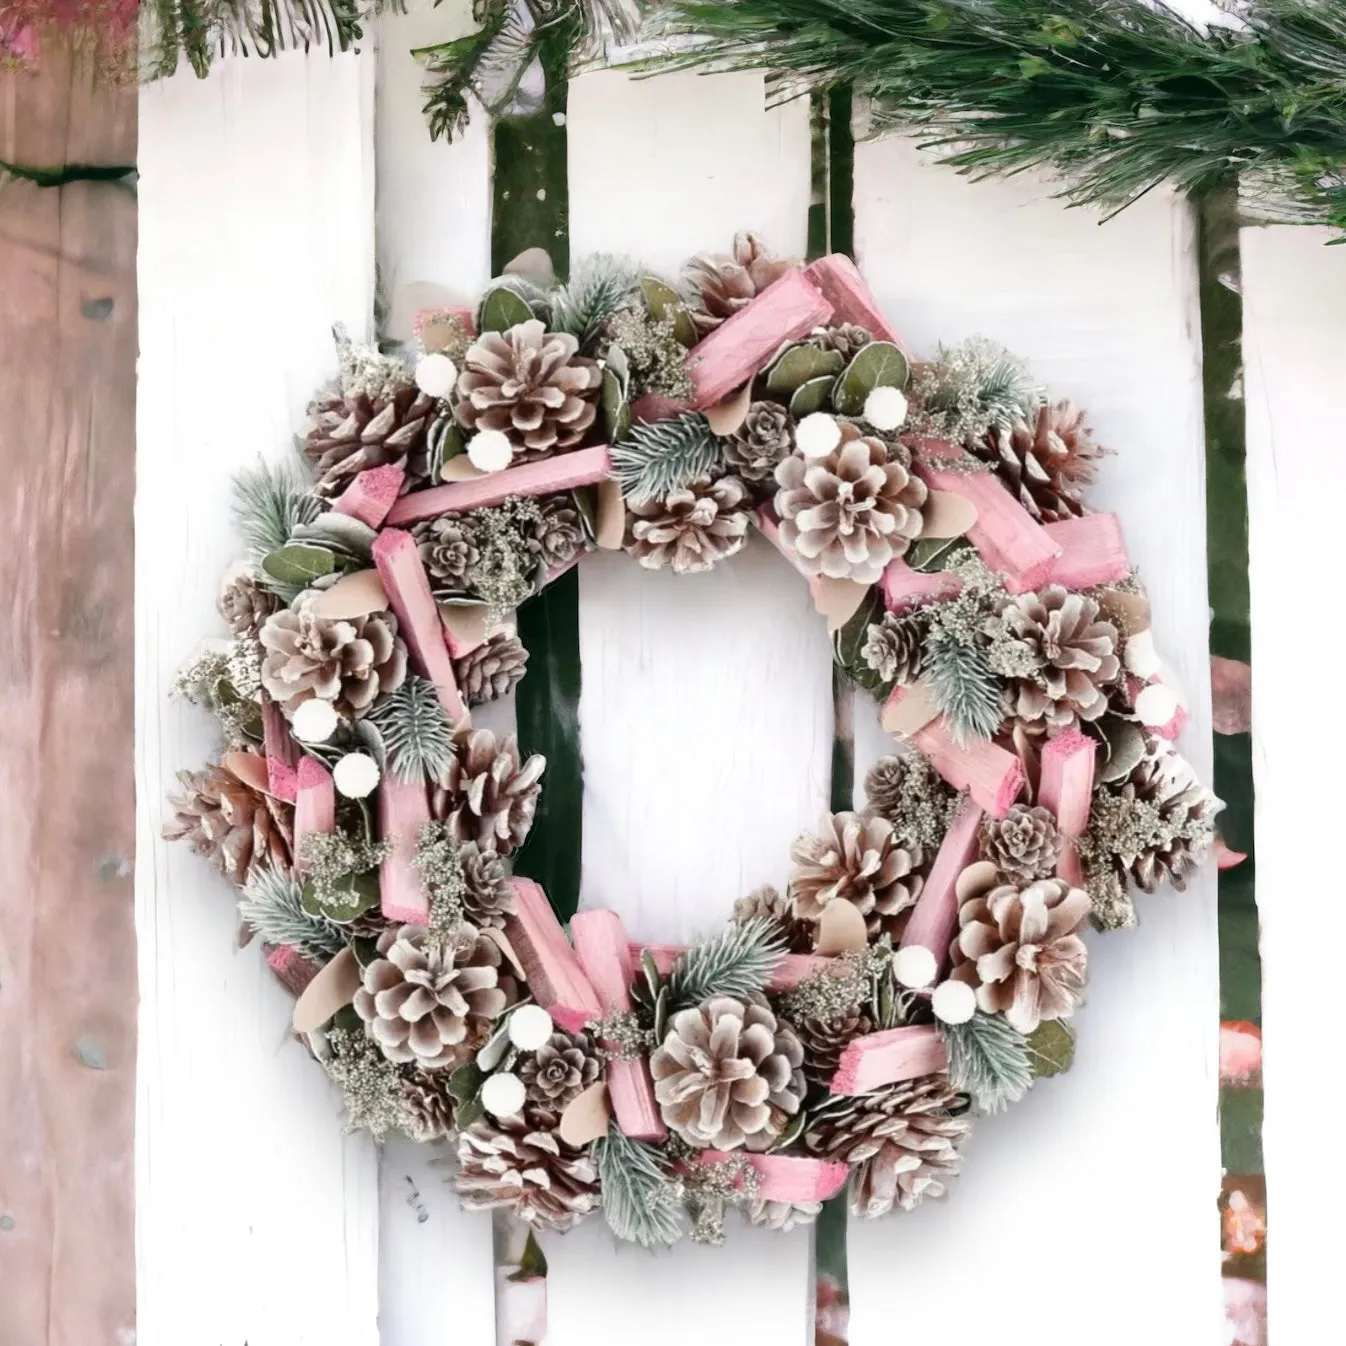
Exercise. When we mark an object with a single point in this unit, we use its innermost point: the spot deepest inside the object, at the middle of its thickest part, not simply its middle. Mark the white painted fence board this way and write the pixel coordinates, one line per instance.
(1109, 1174)
(256, 1216)
(1294, 295)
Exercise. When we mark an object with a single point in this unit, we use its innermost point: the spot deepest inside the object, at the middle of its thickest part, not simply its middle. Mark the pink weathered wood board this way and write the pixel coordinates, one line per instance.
(852, 300)
(404, 809)
(371, 495)
(885, 1058)
(788, 1177)
(292, 969)
(1066, 787)
(905, 588)
(935, 917)
(282, 752)
(554, 974)
(314, 804)
(1092, 551)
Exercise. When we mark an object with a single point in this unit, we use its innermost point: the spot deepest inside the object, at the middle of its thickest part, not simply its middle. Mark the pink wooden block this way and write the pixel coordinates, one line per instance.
(885, 1058)
(291, 967)
(852, 300)
(404, 579)
(653, 407)
(789, 308)
(905, 588)
(1066, 788)
(790, 971)
(282, 752)
(1007, 537)
(314, 804)
(788, 1177)
(564, 472)
(1092, 551)
(371, 495)
(424, 317)
(605, 956)
(935, 917)
(404, 809)
(552, 970)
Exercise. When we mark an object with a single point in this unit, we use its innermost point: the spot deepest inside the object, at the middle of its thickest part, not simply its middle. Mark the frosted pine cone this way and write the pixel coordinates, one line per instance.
(431, 1003)
(234, 826)
(1046, 464)
(531, 385)
(449, 552)
(492, 670)
(245, 605)
(348, 663)
(893, 648)
(1075, 652)
(487, 795)
(355, 431)
(1020, 950)
(531, 1172)
(728, 1074)
(1023, 845)
(764, 438)
(488, 897)
(901, 1139)
(824, 1040)
(781, 1216)
(559, 1071)
(848, 513)
(429, 1104)
(767, 902)
(693, 529)
(718, 286)
(848, 339)
(559, 533)
(854, 859)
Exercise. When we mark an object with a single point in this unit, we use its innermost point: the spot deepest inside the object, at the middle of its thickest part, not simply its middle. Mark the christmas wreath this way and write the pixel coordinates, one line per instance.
(923, 962)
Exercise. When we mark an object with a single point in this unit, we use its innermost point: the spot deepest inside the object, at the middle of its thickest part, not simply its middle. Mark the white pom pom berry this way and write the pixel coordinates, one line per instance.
(490, 451)
(954, 1002)
(817, 435)
(915, 966)
(529, 1027)
(436, 375)
(503, 1094)
(886, 409)
(356, 775)
(314, 721)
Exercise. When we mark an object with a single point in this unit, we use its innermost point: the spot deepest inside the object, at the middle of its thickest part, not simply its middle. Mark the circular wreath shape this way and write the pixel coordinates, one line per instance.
(922, 964)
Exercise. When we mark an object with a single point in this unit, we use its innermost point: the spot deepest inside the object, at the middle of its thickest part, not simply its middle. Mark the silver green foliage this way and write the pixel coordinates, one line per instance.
(964, 687)
(988, 1061)
(417, 734)
(660, 457)
(641, 1198)
(602, 284)
(736, 962)
(971, 388)
(271, 904)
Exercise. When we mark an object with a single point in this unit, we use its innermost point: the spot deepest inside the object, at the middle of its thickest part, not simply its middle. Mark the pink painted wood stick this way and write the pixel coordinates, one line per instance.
(404, 579)
(885, 1058)
(282, 752)
(789, 308)
(404, 809)
(314, 803)
(605, 956)
(790, 971)
(564, 472)
(291, 967)
(851, 298)
(788, 1177)
(426, 317)
(905, 588)
(653, 407)
(1067, 787)
(554, 974)
(935, 917)
(371, 495)
(1092, 551)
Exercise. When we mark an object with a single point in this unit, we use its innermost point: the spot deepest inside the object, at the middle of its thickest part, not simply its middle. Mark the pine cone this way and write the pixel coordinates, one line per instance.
(767, 902)
(694, 529)
(893, 648)
(530, 384)
(824, 1040)
(1020, 949)
(492, 669)
(848, 339)
(758, 445)
(449, 551)
(1046, 464)
(1023, 845)
(854, 859)
(486, 795)
(230, 823)
(349, 663)
(901, 1139)
(560, 1070)
(245, 605)
(728, 1074)
(429, 1104)
(719, 286)
(430, 1003)
(781, 1216)
(488, 897)
(355, 431)
(1076, 654)
(1172, 818)
(909, 794)
(559, 533)
(534, 1173)
(850, 512)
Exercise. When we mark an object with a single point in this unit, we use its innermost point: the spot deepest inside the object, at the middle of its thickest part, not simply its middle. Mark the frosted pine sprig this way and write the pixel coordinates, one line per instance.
(271, 905)
(640, 1198)
(736, 962)
(988, 1060)
(660, 457)
(964, 688)
(270, 502)
(416, 731)
(601, 285)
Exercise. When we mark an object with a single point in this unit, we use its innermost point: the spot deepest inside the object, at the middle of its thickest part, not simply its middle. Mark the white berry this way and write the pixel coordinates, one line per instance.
(490, 451)
(954, 1002)
(817, 435)
(503, 1094)
(314, 721)
(529, 1027)
(436, 375)
(915, 966)
(356, 775)
(886, 408)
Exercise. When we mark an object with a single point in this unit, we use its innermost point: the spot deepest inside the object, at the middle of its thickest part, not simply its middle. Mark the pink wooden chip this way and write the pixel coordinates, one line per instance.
(371, 495)
(845, 289)
(554, 974)
(934, 919)
(885, 1058)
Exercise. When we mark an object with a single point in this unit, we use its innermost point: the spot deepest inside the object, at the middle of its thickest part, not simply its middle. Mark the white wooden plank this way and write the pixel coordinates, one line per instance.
(706, 710)
(1294, 295)
(256, 1216)
(1116, 1164)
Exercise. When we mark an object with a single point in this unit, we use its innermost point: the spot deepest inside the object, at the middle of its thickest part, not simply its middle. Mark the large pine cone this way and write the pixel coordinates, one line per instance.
(1020, 949)
(1171, 815)
(234, 826)
(781, 1216)
(433, 1003)
(533, 1173)
(1023, 845)
(531, 385)
(855, 858)
(348, 663)
(718, 285)
(850, 512)
(901, 1138)
(766, 902)
(429, 1105)
(693, 529)
(449, 552)
(728, 1074)
(1047, 464)
(488, 896)
(1075, 650)
(758, 445)
(492, 670)
(487, 795)
(352, 432)
(559, 1071)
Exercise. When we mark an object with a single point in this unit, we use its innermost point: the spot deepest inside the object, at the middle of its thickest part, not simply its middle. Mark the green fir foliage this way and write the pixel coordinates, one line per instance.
(271, 501)
(988, 1061)
(640, 1198)
(736, 962)
(601, 285)
(659, 457)
(417, 734)
(963, 686)
(271, 905)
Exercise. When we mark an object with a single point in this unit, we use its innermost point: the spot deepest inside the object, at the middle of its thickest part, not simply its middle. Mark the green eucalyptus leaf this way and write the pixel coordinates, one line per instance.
(349, 897)
(532, 1265)
(465, 1082)
(586, 503)
(1125, 744)
(366, 950)
(661, 1014)
(663, 301)
(1051, 1049)
(496, 1046)
(616, 412)
(811, 396)
(501, 309)
(878, 365)
(299, 563)
(445, 441)
(615, 359)
(339, 533)
(801, 364)
(927, 553)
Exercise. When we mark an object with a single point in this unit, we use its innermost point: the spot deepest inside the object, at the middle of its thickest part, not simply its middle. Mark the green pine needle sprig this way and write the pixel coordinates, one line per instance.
(601, 284)
(417, 733)
(660, 457)
(972, 387)
(270, 502)
(640, 1198)
(271, 905)
(736, 962)
(988, 1061)
(964, 687)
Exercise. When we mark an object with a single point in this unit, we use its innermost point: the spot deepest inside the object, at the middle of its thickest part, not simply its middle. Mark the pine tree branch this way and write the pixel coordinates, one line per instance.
(271, 904)
(271, 501)
(659, 457)
(963, 686)
(639, 1199)
(988, 1060)
(416, 730)
(736, 962)
(600, 286)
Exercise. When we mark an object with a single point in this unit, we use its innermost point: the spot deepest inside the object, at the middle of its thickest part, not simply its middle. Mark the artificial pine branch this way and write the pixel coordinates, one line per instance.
(963, 686)
(988, 1060)
(640, 1200)
(600, 286)
(659, 457)
(736, 962)
(271, 904)
(970, 388)
(270, 502)
(416, 730)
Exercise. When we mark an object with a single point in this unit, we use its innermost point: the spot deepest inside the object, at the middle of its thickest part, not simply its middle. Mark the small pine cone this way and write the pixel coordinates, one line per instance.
(781, 1216)
(560, 1070)
(901, 1139)
(355, 431)
(487, 795)
(825, 1039)
(847, 514)
(531, 385)
(893, 647)
(429, 1003)
(1173, 816)
(449, 551)
(245, 605)
(767, 902)
(847, 339)
(1046, 464)
(910, 794)
(533, 1173)
(764, 438)
(429, 1104)
(492, 669)
(488, 897)
(728, 1074)
(693, 529)
(854, 859)
(1023, 845)
(348, 663)
(718, 286)
(559, 533)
